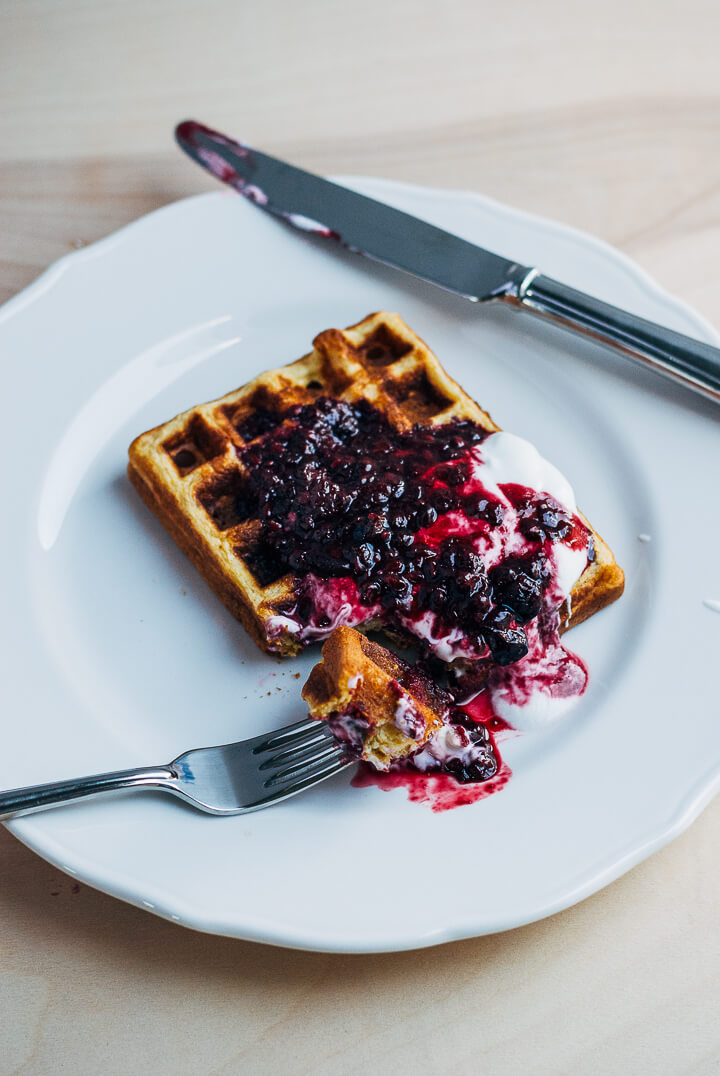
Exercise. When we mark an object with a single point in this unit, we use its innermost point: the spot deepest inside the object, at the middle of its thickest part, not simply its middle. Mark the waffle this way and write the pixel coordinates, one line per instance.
(188, 471)
(367, 693)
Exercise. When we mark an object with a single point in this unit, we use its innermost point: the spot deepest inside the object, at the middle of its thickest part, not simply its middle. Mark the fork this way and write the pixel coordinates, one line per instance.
(232, 779)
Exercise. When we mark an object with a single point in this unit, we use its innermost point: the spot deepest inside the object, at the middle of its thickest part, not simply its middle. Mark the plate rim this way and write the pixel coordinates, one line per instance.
(49, 276)
(166, 903)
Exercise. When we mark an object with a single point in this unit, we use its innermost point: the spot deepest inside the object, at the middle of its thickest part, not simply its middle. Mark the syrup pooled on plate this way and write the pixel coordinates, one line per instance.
(449, 783)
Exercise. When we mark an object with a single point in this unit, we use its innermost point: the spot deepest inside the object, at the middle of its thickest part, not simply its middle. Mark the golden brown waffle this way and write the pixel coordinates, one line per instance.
(188, 471)
(365, 684)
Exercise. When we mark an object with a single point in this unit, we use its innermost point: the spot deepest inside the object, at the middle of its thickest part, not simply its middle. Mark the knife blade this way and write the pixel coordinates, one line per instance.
(366, 226)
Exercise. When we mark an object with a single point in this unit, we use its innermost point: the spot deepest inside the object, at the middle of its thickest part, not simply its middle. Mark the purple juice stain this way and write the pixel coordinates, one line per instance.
(187, 134)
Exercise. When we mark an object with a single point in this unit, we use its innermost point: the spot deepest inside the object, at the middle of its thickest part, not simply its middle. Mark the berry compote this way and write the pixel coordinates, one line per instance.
(397, 527)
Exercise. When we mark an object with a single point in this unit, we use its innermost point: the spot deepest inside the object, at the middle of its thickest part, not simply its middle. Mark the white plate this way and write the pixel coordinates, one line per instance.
(115, 653)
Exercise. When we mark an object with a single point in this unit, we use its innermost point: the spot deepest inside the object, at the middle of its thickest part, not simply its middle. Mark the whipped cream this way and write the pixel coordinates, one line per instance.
(307, 224)
(503, 459)
(277, 625)
(349, 728)
(448, 743)
(334, 601)
(543, 686)
(408, 718)
(447, 647)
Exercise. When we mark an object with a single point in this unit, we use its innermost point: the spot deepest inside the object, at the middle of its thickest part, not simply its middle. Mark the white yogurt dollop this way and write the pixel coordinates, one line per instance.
(504, 457)
(450, 742)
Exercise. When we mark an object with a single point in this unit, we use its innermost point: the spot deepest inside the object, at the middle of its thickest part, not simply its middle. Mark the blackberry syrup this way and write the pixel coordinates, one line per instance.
(383, 524)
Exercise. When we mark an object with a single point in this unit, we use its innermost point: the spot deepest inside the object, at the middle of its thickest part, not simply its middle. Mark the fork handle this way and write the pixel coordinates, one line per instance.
(19, 801)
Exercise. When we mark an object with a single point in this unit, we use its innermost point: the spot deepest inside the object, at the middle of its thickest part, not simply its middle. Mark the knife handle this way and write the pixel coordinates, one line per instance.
(688, 362)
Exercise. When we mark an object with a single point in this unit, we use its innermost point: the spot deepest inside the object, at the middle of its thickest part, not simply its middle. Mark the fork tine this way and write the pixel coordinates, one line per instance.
(290, 735)
(282, 791)
(309, 765)
(301, 749)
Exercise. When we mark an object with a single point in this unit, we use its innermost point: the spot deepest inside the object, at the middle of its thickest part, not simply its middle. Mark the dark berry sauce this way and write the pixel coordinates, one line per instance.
(446, 786)
(390, 519)
(438, 791)
(480, 709)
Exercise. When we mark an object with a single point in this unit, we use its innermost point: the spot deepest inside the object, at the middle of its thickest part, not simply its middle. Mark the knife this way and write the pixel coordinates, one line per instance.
(366, 226)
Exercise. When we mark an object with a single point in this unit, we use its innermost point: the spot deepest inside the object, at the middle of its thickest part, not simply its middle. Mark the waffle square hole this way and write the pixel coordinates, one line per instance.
(419, 397)
(196, 444)
(264, 565)
(227, 499)
(255, 415)
(383, 347)
(257, 423)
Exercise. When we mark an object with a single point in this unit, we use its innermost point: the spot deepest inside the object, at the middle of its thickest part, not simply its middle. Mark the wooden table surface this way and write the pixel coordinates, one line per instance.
(603, 116)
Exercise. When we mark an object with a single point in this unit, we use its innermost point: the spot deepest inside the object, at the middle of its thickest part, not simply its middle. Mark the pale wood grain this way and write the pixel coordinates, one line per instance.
(625, 982)
(644, 177)
(605, 118)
